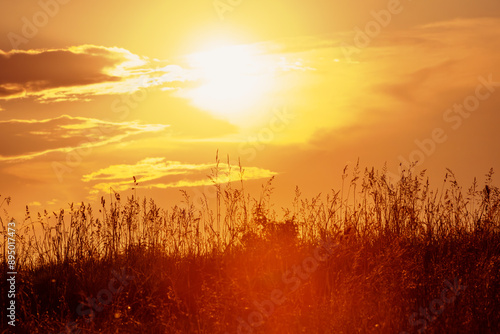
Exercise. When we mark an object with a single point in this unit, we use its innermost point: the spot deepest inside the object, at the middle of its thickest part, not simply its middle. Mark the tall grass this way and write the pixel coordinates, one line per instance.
(203, 269)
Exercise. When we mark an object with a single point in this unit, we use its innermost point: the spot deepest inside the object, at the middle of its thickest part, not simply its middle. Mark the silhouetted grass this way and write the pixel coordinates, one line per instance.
(387, 250)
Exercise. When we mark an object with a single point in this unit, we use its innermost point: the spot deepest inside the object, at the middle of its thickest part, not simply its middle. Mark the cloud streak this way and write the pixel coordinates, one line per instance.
(162, 173)
(35, 138)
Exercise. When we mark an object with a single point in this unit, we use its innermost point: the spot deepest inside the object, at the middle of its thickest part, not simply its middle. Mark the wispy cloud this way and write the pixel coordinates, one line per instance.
(34, 138)
(162, 173)
(402, 83)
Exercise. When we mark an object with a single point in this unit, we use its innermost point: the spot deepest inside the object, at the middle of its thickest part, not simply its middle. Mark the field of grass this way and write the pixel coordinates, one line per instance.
(372, 257)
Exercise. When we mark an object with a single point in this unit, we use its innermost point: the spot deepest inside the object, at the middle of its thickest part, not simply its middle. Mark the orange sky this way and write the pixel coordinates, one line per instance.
(93, 93)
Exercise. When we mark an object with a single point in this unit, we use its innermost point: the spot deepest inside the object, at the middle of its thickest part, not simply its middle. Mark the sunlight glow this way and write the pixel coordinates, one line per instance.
(234, 80)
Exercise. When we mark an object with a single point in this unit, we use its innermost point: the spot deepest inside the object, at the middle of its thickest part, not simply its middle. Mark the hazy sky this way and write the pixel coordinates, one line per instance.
(93, 93)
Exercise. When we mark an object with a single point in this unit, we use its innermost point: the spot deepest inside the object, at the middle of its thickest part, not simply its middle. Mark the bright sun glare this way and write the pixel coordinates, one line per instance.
(234, 80)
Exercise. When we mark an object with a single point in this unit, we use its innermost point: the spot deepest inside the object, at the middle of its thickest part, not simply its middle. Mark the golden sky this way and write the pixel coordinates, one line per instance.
(93, 93)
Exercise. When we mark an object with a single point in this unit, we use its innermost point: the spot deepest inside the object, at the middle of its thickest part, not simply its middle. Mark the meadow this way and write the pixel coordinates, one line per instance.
(375, 256)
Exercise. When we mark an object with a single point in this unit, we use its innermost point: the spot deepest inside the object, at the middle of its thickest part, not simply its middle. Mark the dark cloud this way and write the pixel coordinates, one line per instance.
(10, 90)
(34, 71)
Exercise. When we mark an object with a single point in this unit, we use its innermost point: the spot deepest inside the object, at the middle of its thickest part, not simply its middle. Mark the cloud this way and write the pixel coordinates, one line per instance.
(441, 60)
(162, 173)
(34, 138)
(33, 71)
(402, 84)
(52, 75)
(408, 74)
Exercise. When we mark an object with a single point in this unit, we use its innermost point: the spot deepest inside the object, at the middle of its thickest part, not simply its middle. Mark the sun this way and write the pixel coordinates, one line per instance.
(233, 81)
